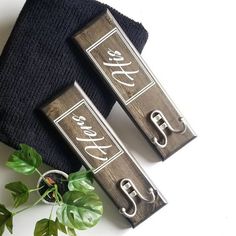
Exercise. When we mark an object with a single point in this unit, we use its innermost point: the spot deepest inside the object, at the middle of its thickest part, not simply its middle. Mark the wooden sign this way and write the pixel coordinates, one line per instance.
(134, 85)
(101, 151)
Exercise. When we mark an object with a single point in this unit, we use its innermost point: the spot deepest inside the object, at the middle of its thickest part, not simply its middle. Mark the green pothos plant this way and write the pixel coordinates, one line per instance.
(79, 207)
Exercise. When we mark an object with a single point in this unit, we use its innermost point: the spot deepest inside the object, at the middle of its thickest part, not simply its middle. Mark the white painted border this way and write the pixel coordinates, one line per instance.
(69, 111)
(101, 40)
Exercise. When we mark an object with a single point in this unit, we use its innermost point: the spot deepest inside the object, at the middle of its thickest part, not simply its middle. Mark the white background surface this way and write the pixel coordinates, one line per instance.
(192, 50)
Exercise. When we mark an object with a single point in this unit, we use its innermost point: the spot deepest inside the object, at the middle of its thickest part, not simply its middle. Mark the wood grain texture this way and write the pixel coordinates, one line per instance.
(134, 85)
(96, 144)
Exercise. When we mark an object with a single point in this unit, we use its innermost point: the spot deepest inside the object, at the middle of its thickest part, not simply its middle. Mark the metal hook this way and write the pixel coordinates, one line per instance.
(127, 184)
(161, 123)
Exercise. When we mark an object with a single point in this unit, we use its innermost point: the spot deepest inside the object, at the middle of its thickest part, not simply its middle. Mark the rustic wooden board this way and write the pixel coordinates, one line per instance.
(136, 88)
(93, 140)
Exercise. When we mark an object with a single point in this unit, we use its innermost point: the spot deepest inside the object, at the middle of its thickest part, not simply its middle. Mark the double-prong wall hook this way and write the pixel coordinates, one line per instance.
(161, 123)
(131, 191)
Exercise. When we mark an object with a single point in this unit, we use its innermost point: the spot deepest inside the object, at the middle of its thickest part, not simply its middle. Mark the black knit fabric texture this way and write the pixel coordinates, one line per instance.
(39, 60)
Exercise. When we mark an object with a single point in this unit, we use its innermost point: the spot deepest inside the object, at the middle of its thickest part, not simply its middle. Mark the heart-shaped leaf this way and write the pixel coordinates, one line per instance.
(45, 227)
(71, 232)
(5, 219)
(25, 161)
(80, 181)
(79, 210)
(19, 191)
(61, 227)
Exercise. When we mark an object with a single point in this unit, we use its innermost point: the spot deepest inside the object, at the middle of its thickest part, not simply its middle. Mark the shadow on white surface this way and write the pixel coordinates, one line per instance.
(111, 213)
(131, 136)
(5, 30)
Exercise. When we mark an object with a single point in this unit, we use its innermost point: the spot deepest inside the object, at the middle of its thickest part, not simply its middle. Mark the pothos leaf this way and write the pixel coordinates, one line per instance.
(45, 227)
(79, 210)
(71, 232)
(25, 161)
(5, 219)
(19, 191)
(80, 181)
(9, 224)
(61, 227)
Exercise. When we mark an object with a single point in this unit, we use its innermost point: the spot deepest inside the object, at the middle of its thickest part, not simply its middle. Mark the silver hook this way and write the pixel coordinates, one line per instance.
(161, 123)
(127, 184)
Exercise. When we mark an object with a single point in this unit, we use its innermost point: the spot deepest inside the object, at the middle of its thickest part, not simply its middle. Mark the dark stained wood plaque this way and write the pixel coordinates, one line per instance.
(136, 88)
(101, 151)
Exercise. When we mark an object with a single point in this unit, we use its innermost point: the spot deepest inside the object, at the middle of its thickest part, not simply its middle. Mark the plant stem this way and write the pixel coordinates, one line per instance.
(34, 190)
(50, 217)
(41, 175)
(58, 197)
(36, 203)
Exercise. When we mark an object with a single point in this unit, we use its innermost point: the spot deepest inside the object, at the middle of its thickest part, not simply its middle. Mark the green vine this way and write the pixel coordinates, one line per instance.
(78, 209)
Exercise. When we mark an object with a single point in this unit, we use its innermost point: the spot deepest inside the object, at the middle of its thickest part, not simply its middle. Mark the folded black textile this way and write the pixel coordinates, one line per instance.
(39, 60)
